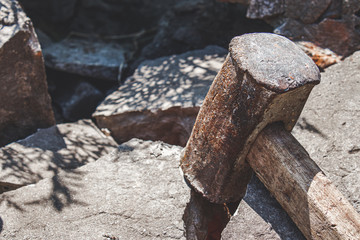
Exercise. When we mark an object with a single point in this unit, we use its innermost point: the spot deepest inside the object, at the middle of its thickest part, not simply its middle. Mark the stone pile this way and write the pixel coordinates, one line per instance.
(73, 181)
(327, 23)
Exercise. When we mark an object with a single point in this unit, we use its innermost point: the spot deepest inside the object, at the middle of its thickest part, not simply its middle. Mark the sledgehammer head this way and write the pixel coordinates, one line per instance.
(265, 78)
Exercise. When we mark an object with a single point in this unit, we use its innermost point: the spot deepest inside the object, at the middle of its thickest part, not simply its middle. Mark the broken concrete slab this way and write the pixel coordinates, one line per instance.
(136, 192)
(25, 102)
(329, 130)
(93, 59)
(49, 151)
(161, 100)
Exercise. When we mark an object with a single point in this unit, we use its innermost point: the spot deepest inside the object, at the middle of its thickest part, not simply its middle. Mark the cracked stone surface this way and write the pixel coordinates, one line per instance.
(49, 151)
(161, 100)
(136, 192)
(329, 128)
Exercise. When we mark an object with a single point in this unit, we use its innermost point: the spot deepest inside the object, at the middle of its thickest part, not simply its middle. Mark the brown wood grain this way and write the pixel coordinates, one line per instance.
(318, 209)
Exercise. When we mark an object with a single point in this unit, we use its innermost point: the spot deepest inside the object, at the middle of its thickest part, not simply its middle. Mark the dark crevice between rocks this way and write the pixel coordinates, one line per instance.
(204, 220)
(76, 97)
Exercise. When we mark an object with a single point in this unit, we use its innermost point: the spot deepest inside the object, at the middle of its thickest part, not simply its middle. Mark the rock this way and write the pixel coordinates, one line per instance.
(25, 102)
(107, 18)
(195, 24)
(265, 8)
(50, 151)
(86, 58)
(161, 100)
(306, 11)
(260, 216)
(77, 99)
(136, 192)
(328, 127)
(323, 58)
(328, 24)
(246, 2)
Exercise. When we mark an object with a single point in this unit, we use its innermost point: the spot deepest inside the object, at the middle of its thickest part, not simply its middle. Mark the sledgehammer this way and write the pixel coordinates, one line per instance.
(244, 124)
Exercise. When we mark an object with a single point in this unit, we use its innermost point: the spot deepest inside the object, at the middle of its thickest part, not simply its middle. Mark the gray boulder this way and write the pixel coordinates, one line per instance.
(161, 100)
(94, 59)
(50, 151)
(25, 104)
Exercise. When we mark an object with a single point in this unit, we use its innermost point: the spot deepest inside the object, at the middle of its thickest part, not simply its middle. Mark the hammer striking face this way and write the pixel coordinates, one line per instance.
(265, 78)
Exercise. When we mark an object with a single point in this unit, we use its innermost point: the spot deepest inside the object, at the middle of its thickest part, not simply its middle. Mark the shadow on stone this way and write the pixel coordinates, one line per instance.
(305, 125)
(49, 152)
(266, 206)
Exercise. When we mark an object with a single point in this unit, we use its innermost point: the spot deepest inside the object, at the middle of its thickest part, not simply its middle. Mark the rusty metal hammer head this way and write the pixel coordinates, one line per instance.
(265, 78)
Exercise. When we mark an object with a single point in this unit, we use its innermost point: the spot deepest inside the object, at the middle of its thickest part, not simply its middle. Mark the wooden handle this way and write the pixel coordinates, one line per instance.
(318, 209)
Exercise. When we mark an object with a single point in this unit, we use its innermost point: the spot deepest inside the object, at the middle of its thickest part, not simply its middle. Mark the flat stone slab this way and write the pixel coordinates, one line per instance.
(161, 100)
(49, 151)
(329, 128)
(86, 58)
(135, 192)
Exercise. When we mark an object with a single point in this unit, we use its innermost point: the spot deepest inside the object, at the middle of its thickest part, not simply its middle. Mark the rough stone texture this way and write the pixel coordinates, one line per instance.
(51, 150)
(107, 18)
(25, 102)
(78, 100)
(194, 24)
(265, 8)
(161, 100)
(328, 127)
(306, 11)
(260, 216)
(329, 24)
(87, 58)
(136, 192)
